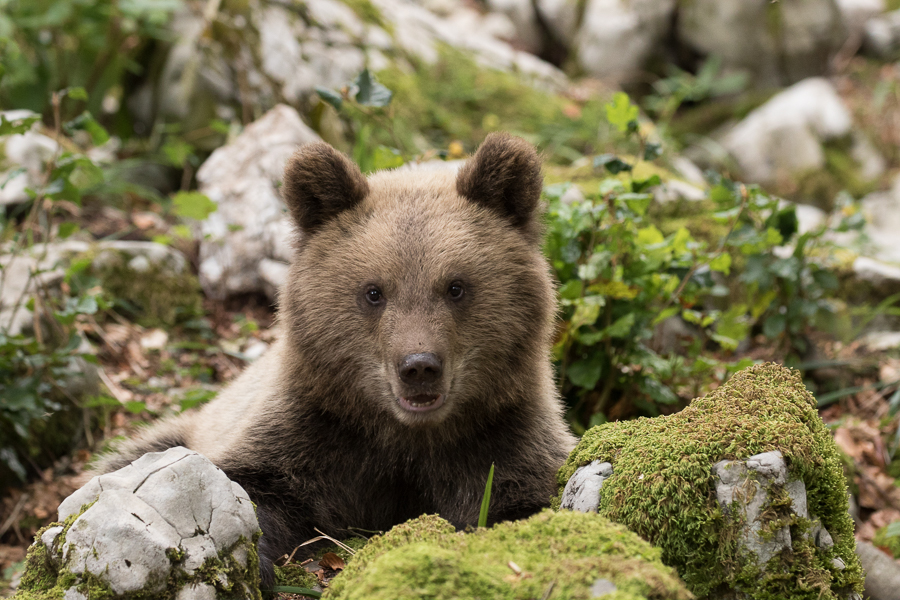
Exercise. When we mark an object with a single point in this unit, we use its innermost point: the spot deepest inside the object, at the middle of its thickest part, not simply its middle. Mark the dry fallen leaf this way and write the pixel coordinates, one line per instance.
(332, 561)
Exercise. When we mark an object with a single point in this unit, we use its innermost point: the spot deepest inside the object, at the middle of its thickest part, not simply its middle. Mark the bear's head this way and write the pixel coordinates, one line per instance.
(419, 295)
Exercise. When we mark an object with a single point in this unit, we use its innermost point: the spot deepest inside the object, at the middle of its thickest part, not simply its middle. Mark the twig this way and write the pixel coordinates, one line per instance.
(14, 515)
(549, 590)
(324, 536)
(111, 386)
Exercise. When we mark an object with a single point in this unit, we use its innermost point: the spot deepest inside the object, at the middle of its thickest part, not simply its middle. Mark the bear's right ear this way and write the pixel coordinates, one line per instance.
(320, 183)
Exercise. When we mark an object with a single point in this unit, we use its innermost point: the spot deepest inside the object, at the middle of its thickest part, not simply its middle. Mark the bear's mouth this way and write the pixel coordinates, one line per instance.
(422, 402)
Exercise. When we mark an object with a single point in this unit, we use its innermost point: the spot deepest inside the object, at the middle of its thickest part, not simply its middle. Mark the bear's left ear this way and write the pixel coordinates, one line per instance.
(319, 184)
(504, 176)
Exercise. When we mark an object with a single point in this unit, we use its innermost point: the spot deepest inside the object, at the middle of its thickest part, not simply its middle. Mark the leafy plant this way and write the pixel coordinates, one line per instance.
(622, 278)
(49, 45)
(39, 368)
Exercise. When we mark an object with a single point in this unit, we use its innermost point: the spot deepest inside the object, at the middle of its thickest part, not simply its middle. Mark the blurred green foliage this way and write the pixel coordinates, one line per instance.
(48, 45)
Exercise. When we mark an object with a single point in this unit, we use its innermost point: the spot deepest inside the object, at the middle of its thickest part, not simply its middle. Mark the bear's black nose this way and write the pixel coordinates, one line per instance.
(420, 368)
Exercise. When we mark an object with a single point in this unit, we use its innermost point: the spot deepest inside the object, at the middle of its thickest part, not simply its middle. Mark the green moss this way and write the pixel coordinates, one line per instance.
(368, 13)
(157, 296)
(559, 555)
(841, 173)
(457, 99)
(663, 488)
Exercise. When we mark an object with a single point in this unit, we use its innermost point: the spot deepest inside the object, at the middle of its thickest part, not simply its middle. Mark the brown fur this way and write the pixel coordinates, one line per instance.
(314, 430)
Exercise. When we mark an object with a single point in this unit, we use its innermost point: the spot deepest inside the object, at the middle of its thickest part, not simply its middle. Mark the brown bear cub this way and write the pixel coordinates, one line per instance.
(416, 329)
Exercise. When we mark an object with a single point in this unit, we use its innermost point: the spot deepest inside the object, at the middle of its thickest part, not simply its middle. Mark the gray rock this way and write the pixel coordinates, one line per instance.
(250, 223)
(196, 591)
(28, 152)
(880, 341)
(882, 212)
(876, 272)
(617, 38)
(165, 504)
(744, 486)
(123, 540)
(602, 587)
(784, 136)
(881, 35)
(856, 13)
(582, 492)
(779, 43)
(882, 572)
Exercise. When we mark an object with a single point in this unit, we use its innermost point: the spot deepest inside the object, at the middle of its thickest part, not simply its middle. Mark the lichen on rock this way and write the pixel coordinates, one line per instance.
(550, 555)
(663, 487)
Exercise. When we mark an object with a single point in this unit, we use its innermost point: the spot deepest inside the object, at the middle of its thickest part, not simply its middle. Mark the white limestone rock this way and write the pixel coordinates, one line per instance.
(784, 136)
(156, 521)
(617, 37)
(251, 224)
(778, 43)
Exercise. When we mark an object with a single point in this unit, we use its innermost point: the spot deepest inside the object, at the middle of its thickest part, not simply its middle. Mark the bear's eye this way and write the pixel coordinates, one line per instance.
(374, 296)
(456, 290)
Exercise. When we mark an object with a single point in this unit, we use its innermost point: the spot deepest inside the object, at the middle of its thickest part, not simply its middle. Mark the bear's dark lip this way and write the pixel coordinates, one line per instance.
(421, 402)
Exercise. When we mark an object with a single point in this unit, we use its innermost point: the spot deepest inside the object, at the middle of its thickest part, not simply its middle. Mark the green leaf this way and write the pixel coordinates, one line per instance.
(652, 151)
(571, 290)
(585, 314)
(612, 163)
(621, 113)
(135, 407)
(86, 122)
(293, 589)
(669, 312)
(193, 205)
(586, 373)
(486, 499)
(66, 229)
(639, 185)
(76, 93)
(330, 97)
(621, 327)
(386, 158)
(774, 325)
(370, 92)
(17, 126)
(721, 263)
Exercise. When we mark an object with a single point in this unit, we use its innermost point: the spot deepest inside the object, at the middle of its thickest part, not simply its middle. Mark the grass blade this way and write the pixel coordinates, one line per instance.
(289, 589)
(486, 500)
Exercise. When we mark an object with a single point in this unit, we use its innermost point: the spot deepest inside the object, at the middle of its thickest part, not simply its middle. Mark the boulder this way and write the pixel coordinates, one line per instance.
(779, 43)
(552, 554)
(743, 490)
(171, 524)
(245, 244)
(23, 159)
(617, 37)
(784, 136)
(240, 60)
(856, 13)
(881, 36)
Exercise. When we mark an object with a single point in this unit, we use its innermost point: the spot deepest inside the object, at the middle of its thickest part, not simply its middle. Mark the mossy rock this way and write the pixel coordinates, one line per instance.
(46, 578)
(663, 487)
(552, 555)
